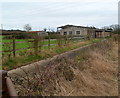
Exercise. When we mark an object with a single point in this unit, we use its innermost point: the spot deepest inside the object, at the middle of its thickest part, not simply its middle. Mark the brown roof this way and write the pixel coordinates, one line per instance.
(35, 31)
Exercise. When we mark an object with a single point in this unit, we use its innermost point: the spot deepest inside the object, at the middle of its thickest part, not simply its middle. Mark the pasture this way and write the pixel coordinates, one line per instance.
(19, 52)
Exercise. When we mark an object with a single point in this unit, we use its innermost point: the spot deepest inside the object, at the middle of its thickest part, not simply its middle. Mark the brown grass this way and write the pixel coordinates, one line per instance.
(93, 73)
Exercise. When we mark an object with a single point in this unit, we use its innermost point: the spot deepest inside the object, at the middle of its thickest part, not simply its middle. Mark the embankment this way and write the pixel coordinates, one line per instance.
(92, 72)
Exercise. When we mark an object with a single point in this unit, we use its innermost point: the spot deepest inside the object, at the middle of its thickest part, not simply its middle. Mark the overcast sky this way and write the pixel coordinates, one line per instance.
(53, 13)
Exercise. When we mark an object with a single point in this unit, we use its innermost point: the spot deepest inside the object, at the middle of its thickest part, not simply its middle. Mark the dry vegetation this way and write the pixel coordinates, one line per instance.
(93, 73)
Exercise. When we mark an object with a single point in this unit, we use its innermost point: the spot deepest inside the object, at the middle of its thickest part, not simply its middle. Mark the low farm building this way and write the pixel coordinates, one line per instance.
(82, 31)
(39, 33)
(75, 30)
(102, 33)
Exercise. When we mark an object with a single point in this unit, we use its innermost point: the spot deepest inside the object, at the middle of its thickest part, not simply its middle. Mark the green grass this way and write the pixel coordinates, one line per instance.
(11, 63)
(26, 58)
(19, 61)
(95, 40)
(10, 40)
(24, 44)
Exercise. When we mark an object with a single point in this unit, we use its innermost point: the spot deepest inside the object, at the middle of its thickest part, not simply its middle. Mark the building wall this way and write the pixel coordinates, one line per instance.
(83, 31)
(106, 34)
(102, 34)
(42, 33)
(91, 33)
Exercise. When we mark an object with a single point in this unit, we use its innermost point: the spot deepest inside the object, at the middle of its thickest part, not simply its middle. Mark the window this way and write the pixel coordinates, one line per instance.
(65, 33)
(78, 32)
(70, 32)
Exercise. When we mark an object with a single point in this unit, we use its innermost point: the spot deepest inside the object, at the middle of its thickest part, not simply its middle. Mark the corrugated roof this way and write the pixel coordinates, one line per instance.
(66, 26)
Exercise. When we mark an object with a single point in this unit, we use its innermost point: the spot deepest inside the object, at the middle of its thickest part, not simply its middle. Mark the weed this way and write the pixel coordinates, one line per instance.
(90, 72)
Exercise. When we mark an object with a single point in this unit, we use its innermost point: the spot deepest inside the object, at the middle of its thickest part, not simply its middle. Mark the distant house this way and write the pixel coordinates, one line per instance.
(39, 33)
(76, 30)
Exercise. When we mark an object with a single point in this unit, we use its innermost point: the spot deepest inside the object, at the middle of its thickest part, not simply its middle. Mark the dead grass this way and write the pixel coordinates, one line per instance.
(93, 73)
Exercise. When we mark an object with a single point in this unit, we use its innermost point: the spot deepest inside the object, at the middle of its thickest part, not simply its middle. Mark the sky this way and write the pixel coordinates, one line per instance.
(42, 14)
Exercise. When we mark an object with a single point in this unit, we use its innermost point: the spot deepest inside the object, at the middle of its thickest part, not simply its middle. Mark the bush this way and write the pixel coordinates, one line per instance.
(23, 36)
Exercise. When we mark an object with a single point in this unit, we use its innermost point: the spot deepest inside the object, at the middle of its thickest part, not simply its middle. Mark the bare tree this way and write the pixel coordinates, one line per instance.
(27, 27)
(106, 27)
(51, 29)
(115, 28)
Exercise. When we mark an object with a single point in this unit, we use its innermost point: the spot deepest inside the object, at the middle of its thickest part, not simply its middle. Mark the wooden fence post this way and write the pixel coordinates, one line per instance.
(36, 46)
(3, 75)
(9, 46)
(72, 38)
(59, 39)
(65, 39)
(7, 88)
(49, 42)
(14, 46)
(40, 43)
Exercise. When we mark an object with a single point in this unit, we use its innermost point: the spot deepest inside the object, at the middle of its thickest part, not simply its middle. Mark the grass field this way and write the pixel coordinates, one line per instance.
(25, 57)
(24, 43)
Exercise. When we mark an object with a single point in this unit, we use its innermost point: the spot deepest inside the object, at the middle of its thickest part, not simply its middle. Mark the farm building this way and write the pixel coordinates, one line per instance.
(76, 30)
(102, 33)
(83, 31)
(39, 33)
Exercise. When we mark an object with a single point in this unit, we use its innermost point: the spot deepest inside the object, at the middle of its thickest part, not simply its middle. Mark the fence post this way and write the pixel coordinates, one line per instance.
(36, 46)
(40, 43)
(14, 46)
(59, 39)
(10, 47)
(65, 39)
(3, 75)
(49, 42)
(7, 88)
